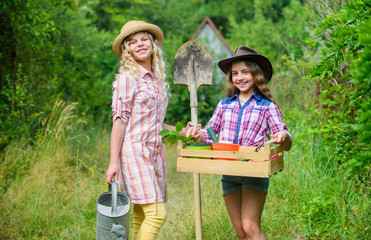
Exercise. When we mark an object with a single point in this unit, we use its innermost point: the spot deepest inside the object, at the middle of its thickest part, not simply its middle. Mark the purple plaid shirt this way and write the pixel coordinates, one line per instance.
(246, 125)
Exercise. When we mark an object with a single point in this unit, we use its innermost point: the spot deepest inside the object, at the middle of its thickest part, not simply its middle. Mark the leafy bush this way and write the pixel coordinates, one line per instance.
(17, 117)
(341, 102)
(361, 79)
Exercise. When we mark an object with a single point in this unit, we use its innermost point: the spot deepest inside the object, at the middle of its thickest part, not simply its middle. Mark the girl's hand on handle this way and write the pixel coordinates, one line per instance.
(191, 129)
(190, 124)
(185, 130)
(284, 138)
(194, 132)
(197, 134)
(279, 137)
(113, 171)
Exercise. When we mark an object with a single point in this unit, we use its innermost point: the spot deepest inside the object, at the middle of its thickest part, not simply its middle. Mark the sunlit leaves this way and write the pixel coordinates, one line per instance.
(344, 73)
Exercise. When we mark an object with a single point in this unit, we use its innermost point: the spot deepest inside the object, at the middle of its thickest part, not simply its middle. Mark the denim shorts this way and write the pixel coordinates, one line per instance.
(233, 184)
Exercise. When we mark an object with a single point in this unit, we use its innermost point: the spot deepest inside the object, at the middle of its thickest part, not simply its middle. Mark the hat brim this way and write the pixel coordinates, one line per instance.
(262, 61)
(153, 29)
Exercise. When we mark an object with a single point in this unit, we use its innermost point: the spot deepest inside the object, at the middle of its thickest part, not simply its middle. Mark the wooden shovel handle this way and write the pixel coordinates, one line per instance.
(197, 199)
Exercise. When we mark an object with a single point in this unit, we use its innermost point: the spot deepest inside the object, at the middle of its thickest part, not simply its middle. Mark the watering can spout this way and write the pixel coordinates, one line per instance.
(118, 232)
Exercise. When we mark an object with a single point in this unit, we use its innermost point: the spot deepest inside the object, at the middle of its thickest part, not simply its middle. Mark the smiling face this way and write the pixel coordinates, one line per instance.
(243, 79)
(141, 48)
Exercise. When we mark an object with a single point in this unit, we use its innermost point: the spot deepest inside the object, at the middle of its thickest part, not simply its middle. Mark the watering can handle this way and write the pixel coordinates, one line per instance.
(113, 189)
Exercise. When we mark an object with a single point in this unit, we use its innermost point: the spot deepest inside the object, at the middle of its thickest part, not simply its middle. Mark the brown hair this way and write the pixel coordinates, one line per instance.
(260, 79)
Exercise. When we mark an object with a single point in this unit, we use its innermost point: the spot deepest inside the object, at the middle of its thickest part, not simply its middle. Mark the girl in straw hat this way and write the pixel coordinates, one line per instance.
(139, 102)
(245, 117)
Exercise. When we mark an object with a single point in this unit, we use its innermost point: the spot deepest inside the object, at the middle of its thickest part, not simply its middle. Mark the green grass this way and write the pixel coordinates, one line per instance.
(49, 190)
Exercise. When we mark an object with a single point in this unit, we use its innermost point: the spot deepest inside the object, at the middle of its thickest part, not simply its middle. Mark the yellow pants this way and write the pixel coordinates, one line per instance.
(148, 220)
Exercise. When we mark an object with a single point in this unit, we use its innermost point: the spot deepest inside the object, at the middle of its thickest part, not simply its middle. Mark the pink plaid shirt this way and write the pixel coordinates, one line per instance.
(140, 104)
(246, 125)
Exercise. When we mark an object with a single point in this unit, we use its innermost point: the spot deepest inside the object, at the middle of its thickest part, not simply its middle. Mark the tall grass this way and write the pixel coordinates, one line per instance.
(49, 190)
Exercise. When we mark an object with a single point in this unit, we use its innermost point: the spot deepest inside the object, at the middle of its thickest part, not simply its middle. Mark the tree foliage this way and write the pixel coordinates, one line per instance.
(50, 50)
(56, 52)
(62, 50)
(342, 104)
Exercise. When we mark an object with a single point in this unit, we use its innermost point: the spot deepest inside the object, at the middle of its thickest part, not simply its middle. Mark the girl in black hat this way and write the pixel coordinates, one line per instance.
(245, 117)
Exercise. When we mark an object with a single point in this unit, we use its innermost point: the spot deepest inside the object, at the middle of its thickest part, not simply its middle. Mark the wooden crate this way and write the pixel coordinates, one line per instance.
(203, 161)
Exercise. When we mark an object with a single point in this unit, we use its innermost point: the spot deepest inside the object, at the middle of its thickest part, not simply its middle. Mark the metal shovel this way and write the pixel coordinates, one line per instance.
(193, 66)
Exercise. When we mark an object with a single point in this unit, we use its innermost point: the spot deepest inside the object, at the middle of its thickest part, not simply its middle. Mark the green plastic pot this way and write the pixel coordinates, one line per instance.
(203, 146)
(200, 146)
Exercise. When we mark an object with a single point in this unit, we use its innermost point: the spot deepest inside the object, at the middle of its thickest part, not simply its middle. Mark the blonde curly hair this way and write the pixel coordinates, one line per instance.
(129, 65)
(260, 79)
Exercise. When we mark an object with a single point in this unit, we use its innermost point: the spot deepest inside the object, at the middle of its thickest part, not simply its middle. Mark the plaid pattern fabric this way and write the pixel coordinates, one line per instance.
(139, 103)
(246, 125)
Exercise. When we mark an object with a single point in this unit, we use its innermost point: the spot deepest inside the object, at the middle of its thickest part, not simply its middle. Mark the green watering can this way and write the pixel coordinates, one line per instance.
(113, 214)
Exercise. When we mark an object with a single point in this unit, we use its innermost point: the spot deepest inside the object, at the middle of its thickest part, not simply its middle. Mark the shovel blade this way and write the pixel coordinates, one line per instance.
(193, 65)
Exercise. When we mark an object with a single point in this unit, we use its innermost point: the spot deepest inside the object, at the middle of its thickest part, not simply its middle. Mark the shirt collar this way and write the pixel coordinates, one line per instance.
(144, 71)
(257, 95)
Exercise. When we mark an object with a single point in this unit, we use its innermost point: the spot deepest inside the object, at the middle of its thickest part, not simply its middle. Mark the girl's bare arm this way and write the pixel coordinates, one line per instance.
(117, 136)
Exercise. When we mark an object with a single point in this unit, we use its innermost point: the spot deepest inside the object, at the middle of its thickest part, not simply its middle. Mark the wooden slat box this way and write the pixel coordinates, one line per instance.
(202, 161)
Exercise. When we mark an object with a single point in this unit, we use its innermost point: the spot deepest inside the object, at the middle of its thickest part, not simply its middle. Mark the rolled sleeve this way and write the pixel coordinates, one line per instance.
(214, 122)
(275, 119)
(122, 97)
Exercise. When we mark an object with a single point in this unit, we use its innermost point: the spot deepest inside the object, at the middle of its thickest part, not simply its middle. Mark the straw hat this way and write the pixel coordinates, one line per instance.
(243, 52)
(132, 27)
